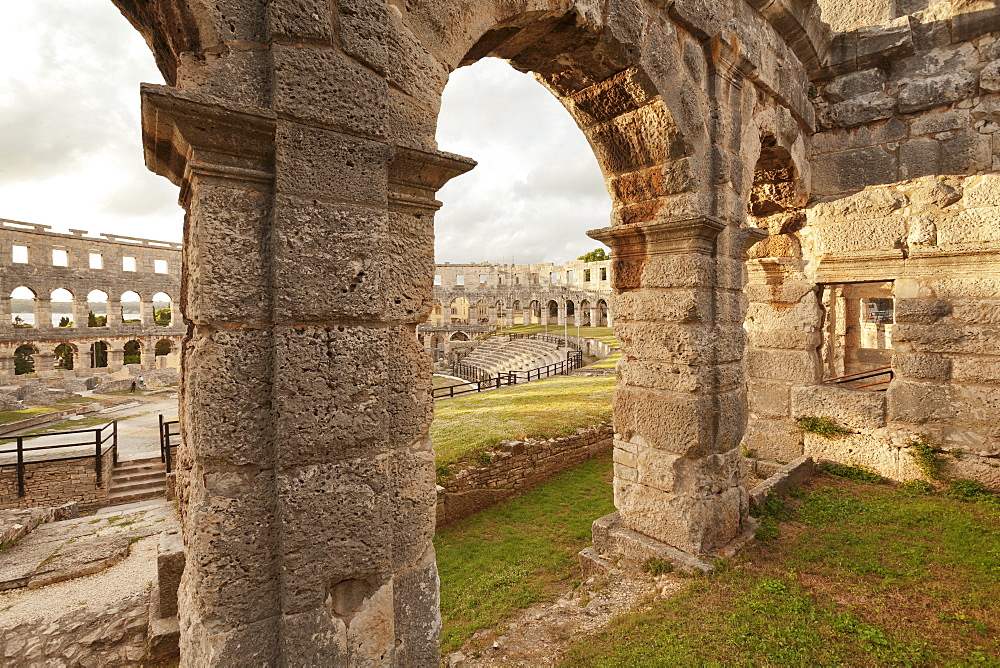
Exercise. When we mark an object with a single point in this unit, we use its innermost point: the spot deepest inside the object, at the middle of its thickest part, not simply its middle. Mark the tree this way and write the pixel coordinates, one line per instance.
(96, 320)
(162, 316)
(20, 323)
(65, 354)
(24, 360)
(595, 255)
(65, 322)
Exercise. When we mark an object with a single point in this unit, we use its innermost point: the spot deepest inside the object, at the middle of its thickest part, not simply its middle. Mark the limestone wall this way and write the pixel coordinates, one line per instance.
(95, 635)
(515, 465)
(53, 483)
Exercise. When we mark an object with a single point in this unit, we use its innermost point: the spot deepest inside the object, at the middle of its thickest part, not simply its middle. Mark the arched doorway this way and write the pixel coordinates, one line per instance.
(64, 356)
(98, 355)
(23, 307)
(133, 352)
(24, 360)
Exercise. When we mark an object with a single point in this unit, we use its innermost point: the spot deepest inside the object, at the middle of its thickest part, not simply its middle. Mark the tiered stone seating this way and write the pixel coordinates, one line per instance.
(500, 355)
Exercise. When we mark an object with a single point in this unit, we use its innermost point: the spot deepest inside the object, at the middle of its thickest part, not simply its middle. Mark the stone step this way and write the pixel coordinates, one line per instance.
(123, 477)
(137, 486)
(118, 499)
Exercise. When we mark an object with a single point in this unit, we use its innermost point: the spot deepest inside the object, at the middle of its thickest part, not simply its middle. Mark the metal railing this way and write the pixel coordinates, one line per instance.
(487, 381)
(879, 386)
(550, 338)
(168, 430)
(98, 441)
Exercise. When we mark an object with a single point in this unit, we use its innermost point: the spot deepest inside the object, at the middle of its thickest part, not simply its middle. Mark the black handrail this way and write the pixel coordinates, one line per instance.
(574, 360)
(865, 375)
(97, 442)
(166, 456)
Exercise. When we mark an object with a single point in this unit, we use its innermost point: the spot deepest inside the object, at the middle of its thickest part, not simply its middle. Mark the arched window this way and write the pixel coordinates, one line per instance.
(131, 304)
(133, 352)
(98, 355)
(62, 308)
(64, 356)
(163, 347)
(22, 307)
(97, 309)
(162, 309)
(24, 360)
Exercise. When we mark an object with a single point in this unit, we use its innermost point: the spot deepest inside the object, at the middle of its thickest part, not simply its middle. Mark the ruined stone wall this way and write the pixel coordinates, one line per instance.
(89, 636)
(904, 193)
(514, 466)
(53, 483)
(506, 294)
(42, 277)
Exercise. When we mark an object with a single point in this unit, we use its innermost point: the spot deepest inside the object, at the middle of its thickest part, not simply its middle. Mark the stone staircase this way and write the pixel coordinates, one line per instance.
(137, 480)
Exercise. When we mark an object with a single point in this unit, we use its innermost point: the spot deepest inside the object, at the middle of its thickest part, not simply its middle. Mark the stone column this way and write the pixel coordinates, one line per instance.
(6, 318)
(561, 320)
(114, 309)
(446, 315)
(679, 403)
(544, 313)
(80, 311)
(146, 314)
(116, 359)
(45, 365)
(7, 365)
(304, 544)
(43, 313)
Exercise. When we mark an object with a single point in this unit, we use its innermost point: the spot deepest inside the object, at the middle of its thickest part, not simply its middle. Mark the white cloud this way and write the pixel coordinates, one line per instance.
(71, 155)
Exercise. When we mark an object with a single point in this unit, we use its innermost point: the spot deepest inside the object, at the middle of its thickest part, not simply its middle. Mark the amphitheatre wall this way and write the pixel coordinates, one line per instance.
(902, 210)
(42, 261)
(301, 135)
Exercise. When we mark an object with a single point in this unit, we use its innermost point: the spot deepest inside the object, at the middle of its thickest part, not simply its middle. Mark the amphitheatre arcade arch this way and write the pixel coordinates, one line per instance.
(317, 133)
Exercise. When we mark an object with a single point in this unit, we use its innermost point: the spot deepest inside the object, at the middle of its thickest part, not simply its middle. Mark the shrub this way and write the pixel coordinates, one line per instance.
(925, 453)
(972, 491)
(657, 566)
(823, 426)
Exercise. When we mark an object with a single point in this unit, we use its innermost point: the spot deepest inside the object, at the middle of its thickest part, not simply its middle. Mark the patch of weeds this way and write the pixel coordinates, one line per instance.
(918, 487)
(822, 426)
(95, 520)
(972, 491)
(5, 544)
(568, 431)
(749, 453)
(657, 566)
(134, 539)
(126, 523)
(768, 516)
(851, 472)
(113, 519)
(927, 456)
(443, 473)
(811, 93)
(484, 460)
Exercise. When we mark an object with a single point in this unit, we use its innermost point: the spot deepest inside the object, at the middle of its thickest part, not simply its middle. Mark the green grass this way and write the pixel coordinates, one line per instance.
(858, 574)
(609, 362)
(442, 381)
(11, 416)
(520, 552)
(466, 426)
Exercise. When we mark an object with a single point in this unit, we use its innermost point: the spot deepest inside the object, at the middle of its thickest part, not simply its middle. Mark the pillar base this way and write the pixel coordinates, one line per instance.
(618, 547)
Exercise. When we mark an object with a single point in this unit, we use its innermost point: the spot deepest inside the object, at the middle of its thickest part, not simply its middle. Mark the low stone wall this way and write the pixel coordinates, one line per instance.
(42, 418)
(515, 465)
(54, 483)
(95, 635)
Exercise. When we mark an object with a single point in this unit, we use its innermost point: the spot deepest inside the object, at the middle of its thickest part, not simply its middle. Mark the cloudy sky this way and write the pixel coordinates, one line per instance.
(71, 157)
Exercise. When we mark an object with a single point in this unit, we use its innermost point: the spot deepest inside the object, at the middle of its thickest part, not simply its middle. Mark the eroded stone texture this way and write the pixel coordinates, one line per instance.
(301, 135)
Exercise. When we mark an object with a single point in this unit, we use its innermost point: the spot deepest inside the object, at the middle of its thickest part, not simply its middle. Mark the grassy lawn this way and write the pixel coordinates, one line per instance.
(468, 425)
(11, 416)
(443, 381)
(520, 552)
(609, 362)
(858, 574)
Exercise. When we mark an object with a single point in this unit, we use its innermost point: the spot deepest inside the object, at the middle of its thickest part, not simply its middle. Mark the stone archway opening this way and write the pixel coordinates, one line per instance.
(131, 308)
(98, 355)
(97, 308)
(62, 308)
(64, 354)
(133, 352)
(24, 360)
(23, 307)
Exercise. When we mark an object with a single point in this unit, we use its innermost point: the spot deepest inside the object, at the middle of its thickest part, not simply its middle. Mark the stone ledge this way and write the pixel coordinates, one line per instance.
(618, 546)
(790, 475)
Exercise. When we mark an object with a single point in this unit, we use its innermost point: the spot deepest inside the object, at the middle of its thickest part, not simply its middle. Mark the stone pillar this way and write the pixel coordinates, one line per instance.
(114, 309)
(146, 314)
(6, 318)
(80, 311)
(561, 320)
(7, 365)
(45, 364)
(544, 314)
(116, 359)
(446, 315)
(304, 544)
(679, 403)
(43, 313)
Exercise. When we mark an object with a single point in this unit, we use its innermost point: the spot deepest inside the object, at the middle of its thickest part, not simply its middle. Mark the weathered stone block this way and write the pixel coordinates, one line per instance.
(341, 92)
(858, 110)
(793, 365)
(935, 91)
(347, 391)
(919, 157)
(892, 130)
(855, 84)
(853, 170)
(923, 311)
(966, 152)
(772, 440)
(856, 409)
(924, 366)
(169, 568)
(768, 398)
(918, 402)
(300, 18)
(940, 121)
(320, 163)
(864, 450)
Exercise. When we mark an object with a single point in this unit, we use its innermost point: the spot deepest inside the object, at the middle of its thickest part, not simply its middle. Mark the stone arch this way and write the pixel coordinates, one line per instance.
(20, 315)
(61, 316)
(163, 347)
(131, 307)
(460, 311)
(602, 313)
(570, 308)
(552, 309)
(132, 352)
(99, 353)
(534, 312)
(65, 354)
(98, 308)
(163, 309)
(482, 315)
(458, 336)
(517, 314)
(24, 359)
(586, 315)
